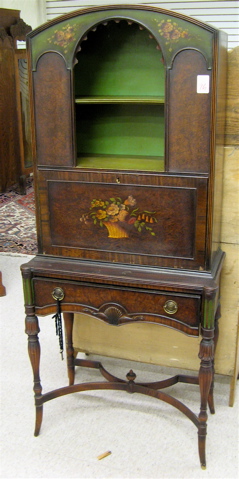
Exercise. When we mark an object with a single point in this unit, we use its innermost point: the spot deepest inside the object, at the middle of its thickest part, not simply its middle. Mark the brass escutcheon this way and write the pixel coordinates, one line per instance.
(58, 294)
(170, 307)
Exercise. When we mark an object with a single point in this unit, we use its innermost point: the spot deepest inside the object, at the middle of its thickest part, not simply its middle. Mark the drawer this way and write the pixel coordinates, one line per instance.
(119, 305)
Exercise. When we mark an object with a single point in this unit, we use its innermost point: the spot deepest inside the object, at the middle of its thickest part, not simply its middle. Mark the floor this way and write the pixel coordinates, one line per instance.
(147, 438)
(18, 222)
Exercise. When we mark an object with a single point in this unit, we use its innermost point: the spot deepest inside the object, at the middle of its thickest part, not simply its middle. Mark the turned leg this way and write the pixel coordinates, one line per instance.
(216, 335)
(68, 321)
(206, 355)
(32, 330)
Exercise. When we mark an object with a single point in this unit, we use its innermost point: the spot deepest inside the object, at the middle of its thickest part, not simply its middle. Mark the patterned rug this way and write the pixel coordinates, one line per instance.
(17, 221)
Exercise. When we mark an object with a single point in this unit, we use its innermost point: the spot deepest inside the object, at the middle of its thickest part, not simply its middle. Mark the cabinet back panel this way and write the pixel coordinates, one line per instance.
(189, 115)
(53, 114)
(120, 130)
(119, 59)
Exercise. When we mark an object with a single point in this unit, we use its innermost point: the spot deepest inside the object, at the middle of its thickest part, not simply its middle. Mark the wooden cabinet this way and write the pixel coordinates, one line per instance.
(15, 139)
(128, 123)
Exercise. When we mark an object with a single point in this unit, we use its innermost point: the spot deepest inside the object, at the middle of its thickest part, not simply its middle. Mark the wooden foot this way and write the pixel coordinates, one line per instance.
(39, 415)
(202, 433)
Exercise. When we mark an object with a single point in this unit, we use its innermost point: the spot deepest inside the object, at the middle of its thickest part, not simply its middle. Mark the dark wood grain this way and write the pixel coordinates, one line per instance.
(53, 114)
(120, 306)
(189, 115)
(12, 160)
(179, 233)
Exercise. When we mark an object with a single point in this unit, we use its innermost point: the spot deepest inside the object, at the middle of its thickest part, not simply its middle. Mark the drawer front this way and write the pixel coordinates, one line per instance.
(118, 306)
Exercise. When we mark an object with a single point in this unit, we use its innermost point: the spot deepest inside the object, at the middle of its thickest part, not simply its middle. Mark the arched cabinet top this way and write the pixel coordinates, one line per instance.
(172, 31)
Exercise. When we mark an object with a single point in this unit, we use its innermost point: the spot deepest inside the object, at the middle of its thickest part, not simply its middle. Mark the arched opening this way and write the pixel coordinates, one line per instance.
(119, 83)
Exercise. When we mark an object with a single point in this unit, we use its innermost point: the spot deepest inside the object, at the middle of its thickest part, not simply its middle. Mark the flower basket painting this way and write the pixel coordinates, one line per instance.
(117, 215)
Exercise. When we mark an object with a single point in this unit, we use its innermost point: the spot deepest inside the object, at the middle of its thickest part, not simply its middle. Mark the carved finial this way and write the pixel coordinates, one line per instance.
(131, 376)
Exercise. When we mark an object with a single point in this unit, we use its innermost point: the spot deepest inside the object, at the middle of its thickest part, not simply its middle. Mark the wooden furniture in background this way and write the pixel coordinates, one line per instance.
(128, 174)
(15, 134)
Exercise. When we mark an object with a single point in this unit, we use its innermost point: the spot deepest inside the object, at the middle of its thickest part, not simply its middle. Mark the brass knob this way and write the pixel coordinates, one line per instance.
(58, 294)
(170, 307)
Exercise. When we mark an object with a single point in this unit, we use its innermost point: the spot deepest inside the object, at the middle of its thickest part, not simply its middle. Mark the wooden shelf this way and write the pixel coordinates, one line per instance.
(120, 99)
(116, 162)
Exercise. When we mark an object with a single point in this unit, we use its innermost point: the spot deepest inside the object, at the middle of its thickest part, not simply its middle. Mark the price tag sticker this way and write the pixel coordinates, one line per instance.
(21, 44)
(203, 83)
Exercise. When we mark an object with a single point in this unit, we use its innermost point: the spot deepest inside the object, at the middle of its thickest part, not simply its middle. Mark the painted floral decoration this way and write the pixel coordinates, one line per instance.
(117, 215)
(64, 37)
(172, 32)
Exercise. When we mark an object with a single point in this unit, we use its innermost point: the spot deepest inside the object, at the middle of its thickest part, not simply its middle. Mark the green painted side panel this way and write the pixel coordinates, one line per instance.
(120, 129)
(208, 317)
(28, 292)
(170, 32)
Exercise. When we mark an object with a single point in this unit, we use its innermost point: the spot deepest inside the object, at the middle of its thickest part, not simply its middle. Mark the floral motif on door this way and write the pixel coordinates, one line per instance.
(64, 37)
(172, 33)
(116, 215)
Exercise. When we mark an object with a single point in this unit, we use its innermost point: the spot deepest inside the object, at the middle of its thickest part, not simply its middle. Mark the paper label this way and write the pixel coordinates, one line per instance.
(21, 44)
(203, 83)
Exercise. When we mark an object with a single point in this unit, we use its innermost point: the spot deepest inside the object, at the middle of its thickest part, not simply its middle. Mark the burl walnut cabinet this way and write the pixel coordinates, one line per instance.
(128, 131)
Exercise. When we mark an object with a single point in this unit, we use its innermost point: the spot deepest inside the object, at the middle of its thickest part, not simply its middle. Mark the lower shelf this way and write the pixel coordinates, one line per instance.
(119, 162)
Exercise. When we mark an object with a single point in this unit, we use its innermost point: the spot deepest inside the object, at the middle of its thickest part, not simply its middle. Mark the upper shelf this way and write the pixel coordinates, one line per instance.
(120, 99)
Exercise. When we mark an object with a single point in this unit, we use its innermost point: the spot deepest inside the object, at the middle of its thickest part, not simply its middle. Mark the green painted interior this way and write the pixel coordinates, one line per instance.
(119, 91)
(119, 59)
(120, 129)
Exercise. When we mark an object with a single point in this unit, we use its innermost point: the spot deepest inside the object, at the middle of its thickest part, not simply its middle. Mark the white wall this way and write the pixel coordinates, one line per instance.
(33, 12)
(222, 14)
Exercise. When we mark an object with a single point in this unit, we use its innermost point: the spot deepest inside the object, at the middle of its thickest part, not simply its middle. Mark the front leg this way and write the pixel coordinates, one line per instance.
(68, 321)
(216, 335)
(32, 330)
(206, 354)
